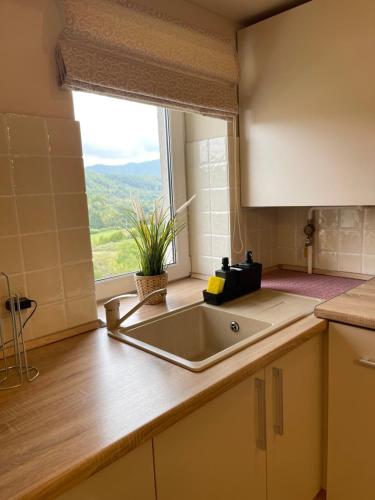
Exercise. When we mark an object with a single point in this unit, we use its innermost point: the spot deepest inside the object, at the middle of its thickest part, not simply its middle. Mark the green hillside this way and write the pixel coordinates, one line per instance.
(110, 190)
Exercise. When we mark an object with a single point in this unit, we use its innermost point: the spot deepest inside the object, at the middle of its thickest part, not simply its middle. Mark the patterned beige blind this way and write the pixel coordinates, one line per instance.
(119, 48)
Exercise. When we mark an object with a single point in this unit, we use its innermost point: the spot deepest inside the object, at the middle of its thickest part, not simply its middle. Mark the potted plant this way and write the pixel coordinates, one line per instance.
(154, 234)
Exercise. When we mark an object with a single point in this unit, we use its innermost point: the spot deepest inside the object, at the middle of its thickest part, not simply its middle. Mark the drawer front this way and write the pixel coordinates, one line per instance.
(351, 413)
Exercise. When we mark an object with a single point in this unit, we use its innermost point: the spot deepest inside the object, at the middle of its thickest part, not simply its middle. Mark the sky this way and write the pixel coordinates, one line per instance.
(116, 131)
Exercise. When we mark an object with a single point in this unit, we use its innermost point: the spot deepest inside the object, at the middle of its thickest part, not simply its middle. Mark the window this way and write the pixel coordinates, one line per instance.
(129, 153)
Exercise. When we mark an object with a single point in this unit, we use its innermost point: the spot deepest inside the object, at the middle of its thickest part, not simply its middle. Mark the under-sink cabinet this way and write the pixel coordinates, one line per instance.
(261, 439)
(351, 413)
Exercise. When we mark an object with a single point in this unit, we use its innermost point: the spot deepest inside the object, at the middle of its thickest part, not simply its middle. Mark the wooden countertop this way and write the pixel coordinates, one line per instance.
(97, 398)
(354, 307)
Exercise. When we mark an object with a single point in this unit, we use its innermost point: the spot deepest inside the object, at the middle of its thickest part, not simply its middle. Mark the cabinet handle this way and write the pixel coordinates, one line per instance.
(260, 389)
(366, 362)
(278, 410)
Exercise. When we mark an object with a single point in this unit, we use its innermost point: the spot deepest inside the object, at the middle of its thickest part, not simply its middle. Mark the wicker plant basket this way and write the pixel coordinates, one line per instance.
(148, 284)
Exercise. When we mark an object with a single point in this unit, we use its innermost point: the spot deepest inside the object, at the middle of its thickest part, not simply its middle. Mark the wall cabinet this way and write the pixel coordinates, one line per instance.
(307, 106)
(351, 413)
(260, 439)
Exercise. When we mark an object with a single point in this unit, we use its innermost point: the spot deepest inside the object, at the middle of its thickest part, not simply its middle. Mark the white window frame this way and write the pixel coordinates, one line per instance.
(174, 146)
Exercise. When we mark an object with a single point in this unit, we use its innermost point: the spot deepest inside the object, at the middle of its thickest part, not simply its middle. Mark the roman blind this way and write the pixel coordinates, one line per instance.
(119, 48)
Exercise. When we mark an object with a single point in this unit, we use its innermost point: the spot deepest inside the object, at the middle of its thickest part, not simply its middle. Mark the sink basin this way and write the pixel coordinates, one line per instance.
(199, 336)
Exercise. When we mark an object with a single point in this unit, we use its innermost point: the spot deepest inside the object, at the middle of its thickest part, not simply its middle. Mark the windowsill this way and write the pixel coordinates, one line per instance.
(181, 293)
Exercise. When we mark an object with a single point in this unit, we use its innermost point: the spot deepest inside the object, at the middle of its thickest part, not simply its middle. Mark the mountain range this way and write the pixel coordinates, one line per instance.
(110, 190)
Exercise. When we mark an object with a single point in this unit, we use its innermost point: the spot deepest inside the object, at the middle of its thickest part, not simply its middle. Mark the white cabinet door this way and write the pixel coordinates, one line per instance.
(129, 478)
(294, 423)
(307, 106)
(213, 453)
(351, 413)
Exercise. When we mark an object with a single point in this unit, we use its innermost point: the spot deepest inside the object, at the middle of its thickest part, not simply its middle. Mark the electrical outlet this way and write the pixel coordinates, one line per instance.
(25, 303)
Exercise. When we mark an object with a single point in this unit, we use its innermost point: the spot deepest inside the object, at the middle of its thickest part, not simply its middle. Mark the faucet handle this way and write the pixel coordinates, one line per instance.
(111, 301)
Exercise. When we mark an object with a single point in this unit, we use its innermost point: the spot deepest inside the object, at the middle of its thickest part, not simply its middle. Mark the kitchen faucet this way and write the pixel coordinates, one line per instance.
(112, 308)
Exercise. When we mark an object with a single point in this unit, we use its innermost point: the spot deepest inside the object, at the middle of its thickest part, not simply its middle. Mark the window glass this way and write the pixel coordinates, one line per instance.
(122, 142)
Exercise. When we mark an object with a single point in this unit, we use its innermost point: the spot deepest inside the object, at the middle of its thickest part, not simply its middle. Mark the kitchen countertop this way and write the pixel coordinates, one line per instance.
(354, 307)
(96, 399)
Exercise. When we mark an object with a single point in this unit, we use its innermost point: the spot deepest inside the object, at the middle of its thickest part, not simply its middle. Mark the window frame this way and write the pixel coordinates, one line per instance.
(172, 145)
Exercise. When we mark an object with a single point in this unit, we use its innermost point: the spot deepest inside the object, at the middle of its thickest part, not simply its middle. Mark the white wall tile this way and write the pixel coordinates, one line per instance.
(4, 149)
(64, 137)
(369, 241)
(328, 261)
(350, 241)
(369, 218)
(328, 239)
(351, 218)
(40, 251)
(36, 213)
(10, 255)
(351, 263)
(31, 175)
(75, 245)
(71, 210)
(5, 176)
(48, 319)
(28, 135)
(68, 175)
(45, 286)
(82, 310)
(8, 219)
(328, 218)
(220, 223)
(78, 279)
(220, 246)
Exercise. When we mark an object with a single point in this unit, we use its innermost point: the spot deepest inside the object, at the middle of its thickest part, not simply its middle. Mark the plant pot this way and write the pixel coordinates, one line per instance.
(148, 284)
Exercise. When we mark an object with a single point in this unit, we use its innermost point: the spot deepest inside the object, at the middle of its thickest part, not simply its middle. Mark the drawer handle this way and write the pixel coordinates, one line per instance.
(260, 390)
(366, 362)
(278, 407)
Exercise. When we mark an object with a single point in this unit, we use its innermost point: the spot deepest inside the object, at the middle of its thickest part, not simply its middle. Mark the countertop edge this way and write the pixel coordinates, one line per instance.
(284, 341)
(353, 320)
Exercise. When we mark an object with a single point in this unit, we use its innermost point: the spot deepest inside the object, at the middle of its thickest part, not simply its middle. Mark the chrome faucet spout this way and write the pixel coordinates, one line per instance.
(112, 308)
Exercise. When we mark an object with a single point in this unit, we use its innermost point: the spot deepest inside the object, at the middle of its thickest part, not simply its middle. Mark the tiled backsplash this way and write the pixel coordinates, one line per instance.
(209, 221)
(344, 239)
(44, 234)
(260, 230)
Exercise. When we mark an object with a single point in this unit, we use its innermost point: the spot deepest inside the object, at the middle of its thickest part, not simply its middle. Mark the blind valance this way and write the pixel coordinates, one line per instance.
(119, 48)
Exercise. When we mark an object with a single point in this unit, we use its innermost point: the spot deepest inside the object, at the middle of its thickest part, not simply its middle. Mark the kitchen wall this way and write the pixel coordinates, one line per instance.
(213, 224)
(344, 239)
(207, 168)
(44, 235)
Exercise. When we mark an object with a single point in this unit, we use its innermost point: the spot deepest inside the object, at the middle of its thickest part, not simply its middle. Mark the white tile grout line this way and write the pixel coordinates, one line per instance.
(59, 260)
(18, 232)
(51, 231)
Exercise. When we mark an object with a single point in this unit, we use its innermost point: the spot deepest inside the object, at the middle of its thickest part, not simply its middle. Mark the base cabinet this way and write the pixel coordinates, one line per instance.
(129, 478)
(294, 423)
(351, 413)
(212, 453)
(259, 440)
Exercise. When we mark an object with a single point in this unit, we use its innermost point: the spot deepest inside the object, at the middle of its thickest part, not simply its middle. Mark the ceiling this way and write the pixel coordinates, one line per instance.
(247, 11)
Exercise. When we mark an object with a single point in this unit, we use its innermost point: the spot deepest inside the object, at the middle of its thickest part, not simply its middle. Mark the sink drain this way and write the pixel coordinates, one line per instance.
(234, 326)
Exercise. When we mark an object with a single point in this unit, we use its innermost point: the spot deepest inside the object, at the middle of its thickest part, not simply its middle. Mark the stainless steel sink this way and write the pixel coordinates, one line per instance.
(199, 336)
